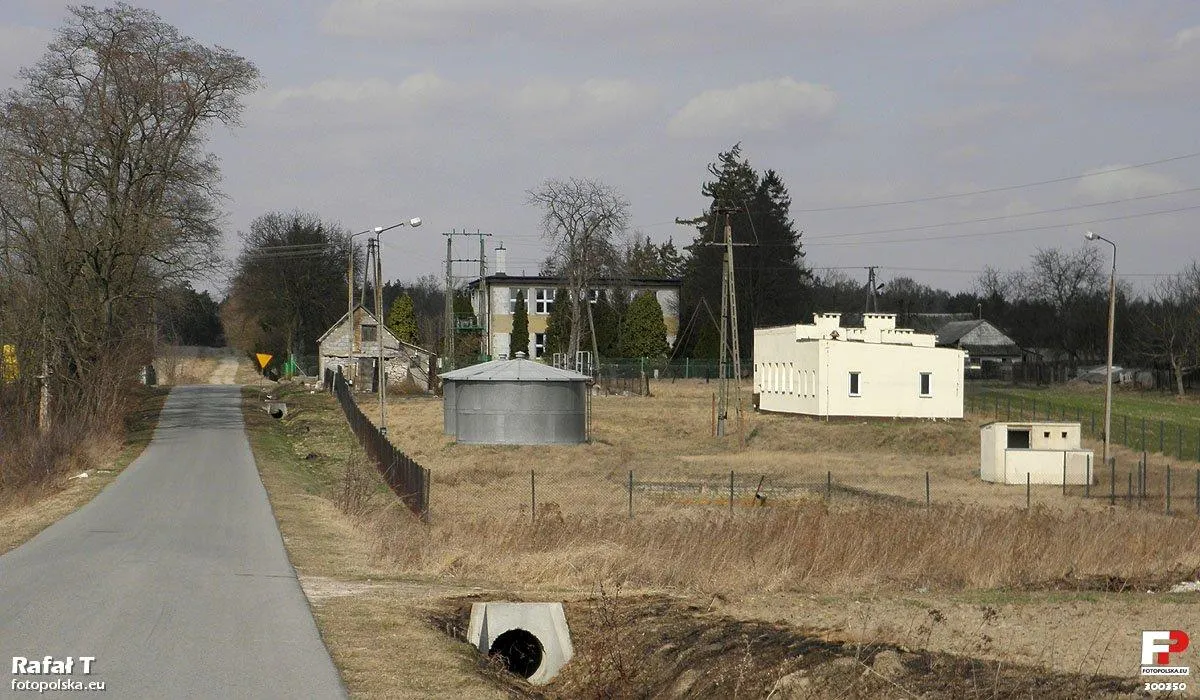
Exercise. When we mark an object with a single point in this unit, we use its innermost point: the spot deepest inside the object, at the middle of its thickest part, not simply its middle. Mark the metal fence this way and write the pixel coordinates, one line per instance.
(1137, 433)
(409, 480)
(539, 495)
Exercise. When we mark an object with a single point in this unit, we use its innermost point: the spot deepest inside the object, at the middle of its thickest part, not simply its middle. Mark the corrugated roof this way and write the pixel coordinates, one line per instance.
(516, 370)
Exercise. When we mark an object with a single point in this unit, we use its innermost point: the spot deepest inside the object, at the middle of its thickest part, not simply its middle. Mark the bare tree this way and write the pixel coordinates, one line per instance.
(581, 219)
(1072, 284)
(106, 192)
(1171, 323)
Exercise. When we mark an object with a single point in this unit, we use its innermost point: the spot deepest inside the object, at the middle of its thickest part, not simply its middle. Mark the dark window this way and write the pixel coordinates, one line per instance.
(1064, 434)
(368, 334)
(854, 383)
(1018, 439)
(926, 378)
(1046, 434)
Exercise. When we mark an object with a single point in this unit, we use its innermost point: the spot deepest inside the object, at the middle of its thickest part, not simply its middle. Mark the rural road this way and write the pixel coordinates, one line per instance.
(225, 372)
(174, 577)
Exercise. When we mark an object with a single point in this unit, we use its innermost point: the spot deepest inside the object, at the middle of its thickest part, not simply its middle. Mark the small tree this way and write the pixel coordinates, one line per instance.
(604, 316)
(519, 341)
(644, 334)
(558, 326)
(402, 319)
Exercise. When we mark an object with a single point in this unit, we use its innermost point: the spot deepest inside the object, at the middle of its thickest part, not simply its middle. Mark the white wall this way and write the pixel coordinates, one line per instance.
(812, 376)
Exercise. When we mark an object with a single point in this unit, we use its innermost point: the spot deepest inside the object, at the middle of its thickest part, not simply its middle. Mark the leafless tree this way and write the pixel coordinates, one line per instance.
(106, 192)
(581, 219)
(1171, 323)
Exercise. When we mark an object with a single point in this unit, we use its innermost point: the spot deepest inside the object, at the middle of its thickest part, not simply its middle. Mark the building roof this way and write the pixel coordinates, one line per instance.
(551, 281)
(367, 315)
(516, 370)
(931, 322)
(979, 338)
(953, 331)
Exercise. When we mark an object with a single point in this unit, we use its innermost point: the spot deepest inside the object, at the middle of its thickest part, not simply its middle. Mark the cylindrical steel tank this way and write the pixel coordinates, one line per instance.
(515, 402)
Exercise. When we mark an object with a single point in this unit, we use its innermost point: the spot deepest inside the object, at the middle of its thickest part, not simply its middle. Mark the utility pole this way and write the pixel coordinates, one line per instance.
(872, 305)
(730, 344)
(379, 336)
(451, 330)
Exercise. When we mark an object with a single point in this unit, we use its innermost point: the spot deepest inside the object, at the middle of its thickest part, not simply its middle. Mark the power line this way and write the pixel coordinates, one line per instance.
(1007, 188)
(1002, 217)
(986, 234)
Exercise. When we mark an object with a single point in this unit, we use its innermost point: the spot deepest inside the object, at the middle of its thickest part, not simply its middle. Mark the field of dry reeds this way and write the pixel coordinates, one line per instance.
(568, 524)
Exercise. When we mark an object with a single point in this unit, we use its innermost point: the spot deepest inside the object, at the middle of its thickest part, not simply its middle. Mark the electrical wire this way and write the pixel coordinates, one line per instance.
(1006, 188)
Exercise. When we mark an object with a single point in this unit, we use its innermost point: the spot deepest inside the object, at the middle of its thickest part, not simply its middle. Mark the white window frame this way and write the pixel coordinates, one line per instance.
(512, 299)
(855, 384)
(539, 344)
(925, 378)
(543, 300)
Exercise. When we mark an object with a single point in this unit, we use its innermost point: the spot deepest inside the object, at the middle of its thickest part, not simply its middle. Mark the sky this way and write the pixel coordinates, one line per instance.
(1014, 125)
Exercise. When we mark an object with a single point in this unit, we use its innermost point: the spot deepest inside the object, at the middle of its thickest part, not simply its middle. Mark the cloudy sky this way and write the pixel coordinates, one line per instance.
(1014, 125)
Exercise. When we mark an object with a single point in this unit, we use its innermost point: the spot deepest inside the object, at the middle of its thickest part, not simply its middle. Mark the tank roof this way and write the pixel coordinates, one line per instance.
(515, 370)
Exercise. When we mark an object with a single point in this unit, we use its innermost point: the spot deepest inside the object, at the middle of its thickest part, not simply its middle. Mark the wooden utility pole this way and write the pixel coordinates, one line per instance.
(730, 344)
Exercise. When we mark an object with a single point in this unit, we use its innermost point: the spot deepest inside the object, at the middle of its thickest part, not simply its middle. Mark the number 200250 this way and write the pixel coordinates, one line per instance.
(1166, 686)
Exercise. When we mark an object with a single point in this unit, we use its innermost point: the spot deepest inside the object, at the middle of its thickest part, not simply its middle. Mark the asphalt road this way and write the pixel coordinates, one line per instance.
(174, 577)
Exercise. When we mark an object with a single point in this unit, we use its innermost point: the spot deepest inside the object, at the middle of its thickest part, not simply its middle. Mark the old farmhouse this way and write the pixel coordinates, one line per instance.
(353, 345)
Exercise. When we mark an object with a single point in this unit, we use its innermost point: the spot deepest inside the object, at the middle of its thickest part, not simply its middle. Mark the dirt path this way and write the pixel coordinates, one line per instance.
(225, 372)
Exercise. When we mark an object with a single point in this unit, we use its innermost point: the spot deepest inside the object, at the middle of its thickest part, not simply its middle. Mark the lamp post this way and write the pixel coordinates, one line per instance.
(1112, 309)
(413, 222)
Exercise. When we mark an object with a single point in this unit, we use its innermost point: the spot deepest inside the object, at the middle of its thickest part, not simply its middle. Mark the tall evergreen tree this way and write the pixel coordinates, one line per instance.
(402, 319)
(519, 339)
(558, 326)
(771, 281)
(644, 334)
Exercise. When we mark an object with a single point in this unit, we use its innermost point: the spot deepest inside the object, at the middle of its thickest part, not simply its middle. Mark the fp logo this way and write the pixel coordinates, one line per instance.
(1157, 647)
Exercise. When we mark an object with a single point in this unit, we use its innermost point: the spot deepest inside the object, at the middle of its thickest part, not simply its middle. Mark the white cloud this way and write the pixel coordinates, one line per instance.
(652, 26)
(1101, 186)
(1128, 56)
(766, 105)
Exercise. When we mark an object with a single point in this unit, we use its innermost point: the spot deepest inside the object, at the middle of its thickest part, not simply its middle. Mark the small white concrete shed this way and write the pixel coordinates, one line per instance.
(1046, 451)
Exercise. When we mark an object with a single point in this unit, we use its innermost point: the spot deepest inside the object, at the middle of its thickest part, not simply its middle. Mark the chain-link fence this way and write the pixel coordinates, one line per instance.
(1167, 438)
(543, 494)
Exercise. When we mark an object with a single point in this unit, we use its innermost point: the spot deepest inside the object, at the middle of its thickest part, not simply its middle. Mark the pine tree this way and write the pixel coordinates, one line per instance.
(558, 326)
(773, 286)
(402, 319)
(607, 325)
(519, 339)
(644, 333)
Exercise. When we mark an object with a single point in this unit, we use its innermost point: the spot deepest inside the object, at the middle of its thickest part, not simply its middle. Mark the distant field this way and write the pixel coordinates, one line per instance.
(1151, 405)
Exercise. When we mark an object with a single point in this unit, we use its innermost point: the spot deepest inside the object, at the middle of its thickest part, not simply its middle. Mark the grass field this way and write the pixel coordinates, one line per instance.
(975, 577)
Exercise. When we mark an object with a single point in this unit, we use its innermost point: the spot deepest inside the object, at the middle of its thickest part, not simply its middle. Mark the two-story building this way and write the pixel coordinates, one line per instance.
(494, 299)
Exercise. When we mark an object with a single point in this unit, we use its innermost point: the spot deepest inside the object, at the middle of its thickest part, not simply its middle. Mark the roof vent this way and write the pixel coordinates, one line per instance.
(520, 355)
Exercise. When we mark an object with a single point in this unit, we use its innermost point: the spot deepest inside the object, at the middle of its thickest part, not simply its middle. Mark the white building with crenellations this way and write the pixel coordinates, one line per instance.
(823, 369)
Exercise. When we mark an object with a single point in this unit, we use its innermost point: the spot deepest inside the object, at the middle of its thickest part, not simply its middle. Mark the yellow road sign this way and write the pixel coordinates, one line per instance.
(263, 359)
(8, 363)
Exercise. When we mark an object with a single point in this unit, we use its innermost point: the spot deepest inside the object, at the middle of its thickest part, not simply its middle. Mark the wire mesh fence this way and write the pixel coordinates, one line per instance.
(539, 495)
(1167, 438)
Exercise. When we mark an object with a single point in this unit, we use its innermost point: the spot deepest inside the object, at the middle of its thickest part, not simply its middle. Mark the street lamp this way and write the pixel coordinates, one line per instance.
(1112, 309)
(413, 222)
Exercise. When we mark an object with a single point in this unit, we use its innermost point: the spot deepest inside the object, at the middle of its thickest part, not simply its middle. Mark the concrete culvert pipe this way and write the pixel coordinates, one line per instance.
(531, 639)
(520, 650)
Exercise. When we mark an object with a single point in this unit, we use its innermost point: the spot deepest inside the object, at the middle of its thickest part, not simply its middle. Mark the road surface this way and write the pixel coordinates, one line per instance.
(174, 577)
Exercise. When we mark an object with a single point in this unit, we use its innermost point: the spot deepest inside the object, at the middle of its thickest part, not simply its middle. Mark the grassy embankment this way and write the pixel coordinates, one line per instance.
(26, 512)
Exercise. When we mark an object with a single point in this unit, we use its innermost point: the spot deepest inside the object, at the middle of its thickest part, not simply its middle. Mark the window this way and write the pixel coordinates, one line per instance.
(512, 299)
(368, 333)
(543, 301)
(926, 381)
(1046, 434)
(1018, 439)
(1064, 435)
(539, 344)
(854, 384)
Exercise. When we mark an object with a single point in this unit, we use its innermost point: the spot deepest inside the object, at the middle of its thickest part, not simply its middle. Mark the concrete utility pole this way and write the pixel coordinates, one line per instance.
(872, 305)
(448, 341)
(729, 335)
(379, 325)
(1112, 311)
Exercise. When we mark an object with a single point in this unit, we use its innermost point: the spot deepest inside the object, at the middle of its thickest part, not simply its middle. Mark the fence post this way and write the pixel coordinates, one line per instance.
(829, 485)
(1087, 482)
(1064, 474)
(630, 494)
(1168, 489)
(1028, 491)
(1179, 444)
(1129, 492)
(927, 500)
(1162, 431)
(1143, 434)
(1198, 492)
(731, 492)
(1125, 431)
(1112, 475)
(532, 497)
